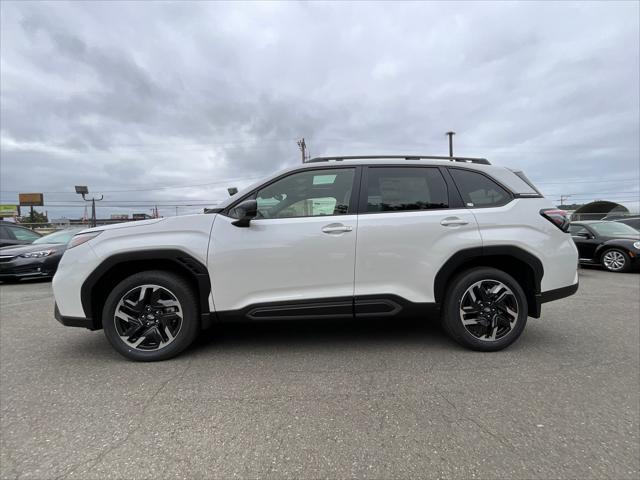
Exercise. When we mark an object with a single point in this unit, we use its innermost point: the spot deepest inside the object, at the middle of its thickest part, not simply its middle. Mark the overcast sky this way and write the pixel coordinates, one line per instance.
(132, 98)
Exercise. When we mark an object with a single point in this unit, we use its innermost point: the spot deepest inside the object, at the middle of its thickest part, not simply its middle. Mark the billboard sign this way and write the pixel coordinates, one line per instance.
(31, 199)
(7, 210)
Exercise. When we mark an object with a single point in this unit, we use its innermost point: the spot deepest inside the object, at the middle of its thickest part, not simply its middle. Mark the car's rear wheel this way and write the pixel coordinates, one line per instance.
(485, 309)
(615, 260)
(151, 316)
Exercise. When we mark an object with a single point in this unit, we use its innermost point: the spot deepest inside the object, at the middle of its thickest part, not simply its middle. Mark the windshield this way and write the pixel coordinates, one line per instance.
(613, 229)
(61, 237)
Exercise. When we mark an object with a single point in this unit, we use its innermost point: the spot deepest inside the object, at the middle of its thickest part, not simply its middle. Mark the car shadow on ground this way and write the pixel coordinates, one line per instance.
(320, 332)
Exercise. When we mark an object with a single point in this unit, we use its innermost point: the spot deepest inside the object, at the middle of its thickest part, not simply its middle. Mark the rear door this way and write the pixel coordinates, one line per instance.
(297, 257)
(411, 222)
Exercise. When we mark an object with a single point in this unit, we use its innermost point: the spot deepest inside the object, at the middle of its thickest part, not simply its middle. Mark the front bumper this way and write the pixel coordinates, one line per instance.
(18, 268)
(73, 321)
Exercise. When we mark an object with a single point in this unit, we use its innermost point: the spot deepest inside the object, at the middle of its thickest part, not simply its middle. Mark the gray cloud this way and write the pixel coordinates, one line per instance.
(137, 96)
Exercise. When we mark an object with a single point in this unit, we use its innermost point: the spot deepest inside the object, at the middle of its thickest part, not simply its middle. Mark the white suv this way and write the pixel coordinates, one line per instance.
(338, 237)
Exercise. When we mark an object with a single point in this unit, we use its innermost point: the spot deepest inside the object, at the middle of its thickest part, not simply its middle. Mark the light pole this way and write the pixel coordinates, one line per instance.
(83, 190)
(450, 135)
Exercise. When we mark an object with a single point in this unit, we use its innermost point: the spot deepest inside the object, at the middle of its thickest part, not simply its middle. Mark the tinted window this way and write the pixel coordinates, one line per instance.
(4, 233)
(307, 194)
(478, 190)
(24, 234)
(405, 189)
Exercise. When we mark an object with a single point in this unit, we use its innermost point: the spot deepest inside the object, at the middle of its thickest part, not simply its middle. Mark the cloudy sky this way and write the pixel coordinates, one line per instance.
(170, 103)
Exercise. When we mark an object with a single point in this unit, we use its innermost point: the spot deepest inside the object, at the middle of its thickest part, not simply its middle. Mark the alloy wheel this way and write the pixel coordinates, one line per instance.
(148, 317)
(613, 260)
(489, 310)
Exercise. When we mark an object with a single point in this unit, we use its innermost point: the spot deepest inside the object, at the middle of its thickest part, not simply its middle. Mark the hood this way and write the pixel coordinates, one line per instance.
(14, 251)
(114, 226)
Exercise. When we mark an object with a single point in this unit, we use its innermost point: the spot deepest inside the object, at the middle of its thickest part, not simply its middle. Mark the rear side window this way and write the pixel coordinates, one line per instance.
(399, 189)
(479, 191)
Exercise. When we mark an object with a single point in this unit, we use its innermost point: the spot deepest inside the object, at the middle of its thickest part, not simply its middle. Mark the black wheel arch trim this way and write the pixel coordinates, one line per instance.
(468, 255)
(185, 261)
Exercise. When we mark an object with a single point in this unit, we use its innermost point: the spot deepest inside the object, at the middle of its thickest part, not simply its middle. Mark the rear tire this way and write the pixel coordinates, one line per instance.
(615, 260)
(485, 309)
(151, 316)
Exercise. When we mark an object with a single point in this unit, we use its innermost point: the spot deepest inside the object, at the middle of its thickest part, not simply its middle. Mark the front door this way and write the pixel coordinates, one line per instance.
(297, 256)
(585, 241)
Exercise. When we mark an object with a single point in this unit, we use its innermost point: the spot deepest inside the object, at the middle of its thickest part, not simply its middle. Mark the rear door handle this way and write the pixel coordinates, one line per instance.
(453, 222)
(336, 228)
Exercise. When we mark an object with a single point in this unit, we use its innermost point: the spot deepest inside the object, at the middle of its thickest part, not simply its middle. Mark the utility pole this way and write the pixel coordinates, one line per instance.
(450, 135)
(83, 190)
(563, 198)
(303, 149)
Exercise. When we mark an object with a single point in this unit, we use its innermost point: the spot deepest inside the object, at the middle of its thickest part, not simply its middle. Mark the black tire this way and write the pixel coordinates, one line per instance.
(610, 259)
(508, 326)
(185, 329)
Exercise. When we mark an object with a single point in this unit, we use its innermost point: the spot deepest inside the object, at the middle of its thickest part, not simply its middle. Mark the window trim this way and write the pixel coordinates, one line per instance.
(510, 195)
(353, 201)
(362, 204)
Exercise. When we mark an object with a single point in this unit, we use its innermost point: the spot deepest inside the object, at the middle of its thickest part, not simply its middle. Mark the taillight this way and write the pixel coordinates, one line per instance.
(556, 216)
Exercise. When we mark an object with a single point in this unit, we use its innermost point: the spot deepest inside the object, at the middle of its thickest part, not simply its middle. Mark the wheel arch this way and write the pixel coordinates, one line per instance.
(525, 267)
(115, 268)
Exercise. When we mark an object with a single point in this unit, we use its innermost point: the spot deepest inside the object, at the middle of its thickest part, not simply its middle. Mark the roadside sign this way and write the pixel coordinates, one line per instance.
(7, 210)
(31, 199)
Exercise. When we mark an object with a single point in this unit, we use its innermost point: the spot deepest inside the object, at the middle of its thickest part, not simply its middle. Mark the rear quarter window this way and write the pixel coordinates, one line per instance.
(478, 190)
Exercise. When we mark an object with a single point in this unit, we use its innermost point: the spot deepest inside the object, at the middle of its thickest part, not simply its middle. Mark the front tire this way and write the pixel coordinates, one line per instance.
(151, 316)
(615, 260)
(485, 309)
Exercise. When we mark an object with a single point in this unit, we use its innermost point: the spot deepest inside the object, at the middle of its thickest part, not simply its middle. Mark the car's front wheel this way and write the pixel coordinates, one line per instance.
(151, 316)
(485, 309)
(615, 260)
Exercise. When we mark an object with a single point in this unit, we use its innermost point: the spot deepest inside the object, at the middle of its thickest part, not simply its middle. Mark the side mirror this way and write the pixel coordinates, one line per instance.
(584, 235)
(245, 211)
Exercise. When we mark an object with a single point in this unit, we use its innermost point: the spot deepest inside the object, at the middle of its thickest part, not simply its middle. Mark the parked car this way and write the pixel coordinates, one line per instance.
(12, 234)
(614, 245)
(633, 222)
(37, 260)
(338, 237)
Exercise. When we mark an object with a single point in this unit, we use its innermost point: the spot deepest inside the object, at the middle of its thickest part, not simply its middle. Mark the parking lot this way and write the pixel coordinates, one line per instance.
(306, 400)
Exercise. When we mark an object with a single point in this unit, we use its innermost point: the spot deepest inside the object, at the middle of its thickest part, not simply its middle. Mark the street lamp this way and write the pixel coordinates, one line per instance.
(84, 190)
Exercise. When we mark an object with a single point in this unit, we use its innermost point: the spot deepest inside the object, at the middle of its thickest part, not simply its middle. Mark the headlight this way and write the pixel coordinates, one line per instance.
(38, 254)
(82, 238)
(636, 245)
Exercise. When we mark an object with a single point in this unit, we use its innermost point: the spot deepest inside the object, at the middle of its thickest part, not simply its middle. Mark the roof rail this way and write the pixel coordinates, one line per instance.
(482, 161)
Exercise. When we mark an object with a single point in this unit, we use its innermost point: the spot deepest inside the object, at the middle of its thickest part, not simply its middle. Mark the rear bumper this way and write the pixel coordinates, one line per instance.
(73, 321)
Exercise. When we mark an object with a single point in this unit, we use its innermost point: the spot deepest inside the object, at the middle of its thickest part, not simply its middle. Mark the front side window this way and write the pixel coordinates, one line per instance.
(393, 189)
(310, 193)
(479, 191)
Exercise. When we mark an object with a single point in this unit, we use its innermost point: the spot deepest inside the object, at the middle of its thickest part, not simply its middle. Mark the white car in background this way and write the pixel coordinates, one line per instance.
(337, 237)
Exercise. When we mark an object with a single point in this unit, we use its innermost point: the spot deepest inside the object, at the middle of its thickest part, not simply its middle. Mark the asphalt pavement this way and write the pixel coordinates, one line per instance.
(374, 399)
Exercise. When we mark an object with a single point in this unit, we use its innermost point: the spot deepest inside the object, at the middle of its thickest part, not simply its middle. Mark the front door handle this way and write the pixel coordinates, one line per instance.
(336, 228)
(453, 222)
